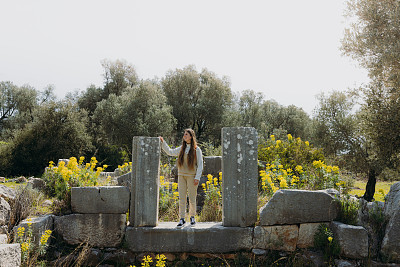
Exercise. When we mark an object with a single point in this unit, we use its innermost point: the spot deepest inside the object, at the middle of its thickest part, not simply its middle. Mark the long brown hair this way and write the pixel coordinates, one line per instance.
(192, 151)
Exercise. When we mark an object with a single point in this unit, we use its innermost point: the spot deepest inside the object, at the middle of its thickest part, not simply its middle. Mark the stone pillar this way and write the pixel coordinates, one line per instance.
(145, 181)
(239, 176)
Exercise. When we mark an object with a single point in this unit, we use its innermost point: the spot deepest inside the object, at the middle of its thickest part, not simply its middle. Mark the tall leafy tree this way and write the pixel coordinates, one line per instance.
(138, 111)
(280, 120)
(250, 108)
(372, 40)
(338, 130)
(267, 116)
(57, 131)
(198, 100)
(88, 99)
(334, 123)
(17, 105)
(118, 75)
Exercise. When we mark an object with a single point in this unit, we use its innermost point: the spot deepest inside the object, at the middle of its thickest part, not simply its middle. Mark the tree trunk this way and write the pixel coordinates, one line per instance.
(370, 188)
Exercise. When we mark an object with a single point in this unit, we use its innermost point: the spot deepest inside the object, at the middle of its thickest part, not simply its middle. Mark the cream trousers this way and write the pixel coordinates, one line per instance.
(186, 185)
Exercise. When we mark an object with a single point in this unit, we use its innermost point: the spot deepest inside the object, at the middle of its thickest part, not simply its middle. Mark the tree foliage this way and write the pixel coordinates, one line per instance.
(372, 40)
(138, 111)
(198, 100)
(250, 109)
(17, 105)
(118, 75)
(57, 131)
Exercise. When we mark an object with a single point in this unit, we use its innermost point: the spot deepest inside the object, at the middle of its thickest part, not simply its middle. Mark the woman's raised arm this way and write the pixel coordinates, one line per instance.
(169, 151)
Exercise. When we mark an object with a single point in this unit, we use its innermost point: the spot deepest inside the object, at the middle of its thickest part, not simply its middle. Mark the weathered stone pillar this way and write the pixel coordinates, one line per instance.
(145, 181)
(239, 176)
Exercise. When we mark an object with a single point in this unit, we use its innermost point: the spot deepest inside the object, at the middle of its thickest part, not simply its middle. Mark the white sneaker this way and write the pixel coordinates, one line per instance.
(181, 222)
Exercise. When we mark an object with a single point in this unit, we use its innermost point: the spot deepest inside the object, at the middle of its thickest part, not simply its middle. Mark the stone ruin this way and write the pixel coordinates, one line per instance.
(287, 222)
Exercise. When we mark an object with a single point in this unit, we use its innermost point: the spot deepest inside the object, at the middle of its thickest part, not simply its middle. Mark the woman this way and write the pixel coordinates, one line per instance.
(190, 167)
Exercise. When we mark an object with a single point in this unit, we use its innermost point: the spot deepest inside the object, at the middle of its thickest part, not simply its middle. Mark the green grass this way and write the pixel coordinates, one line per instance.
(13, 185)
(381, 189)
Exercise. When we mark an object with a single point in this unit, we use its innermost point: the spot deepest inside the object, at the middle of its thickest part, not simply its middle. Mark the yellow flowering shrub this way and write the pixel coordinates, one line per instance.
(59, 179)
(212, 208)
(294, 164)
(125, 168)
(169, 196)
(289, 153)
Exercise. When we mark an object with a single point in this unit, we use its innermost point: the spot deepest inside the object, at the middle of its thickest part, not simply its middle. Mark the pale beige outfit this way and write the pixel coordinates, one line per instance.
(186, 177)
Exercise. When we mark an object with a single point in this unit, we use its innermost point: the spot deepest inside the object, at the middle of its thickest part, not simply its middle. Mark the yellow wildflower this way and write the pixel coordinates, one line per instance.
(20, 231)
(330, 239)
(174, 186)
(335, 169)
(272, 137)
(146, 261)
(307, 143)
(45, 237)
(299, 169)
(24, 247)
(283, 183)
(160, 260)
(328, 169)
(215, 181)
(289, 137)
(318, 164)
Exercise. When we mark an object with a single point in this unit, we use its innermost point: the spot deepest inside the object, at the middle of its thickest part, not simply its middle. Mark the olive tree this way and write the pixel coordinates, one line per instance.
(198, 100)
(372, 40)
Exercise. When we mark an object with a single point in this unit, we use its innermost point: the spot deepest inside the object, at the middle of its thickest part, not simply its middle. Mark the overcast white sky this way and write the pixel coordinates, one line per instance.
(288, 50)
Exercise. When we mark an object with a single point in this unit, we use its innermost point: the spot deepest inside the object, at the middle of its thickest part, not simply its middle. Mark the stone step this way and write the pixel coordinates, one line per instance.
(202, 237)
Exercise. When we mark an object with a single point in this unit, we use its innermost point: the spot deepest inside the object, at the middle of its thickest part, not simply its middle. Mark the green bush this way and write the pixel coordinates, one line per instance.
(57, 131)
(348, 212)
(324, 240)
(378, 221)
